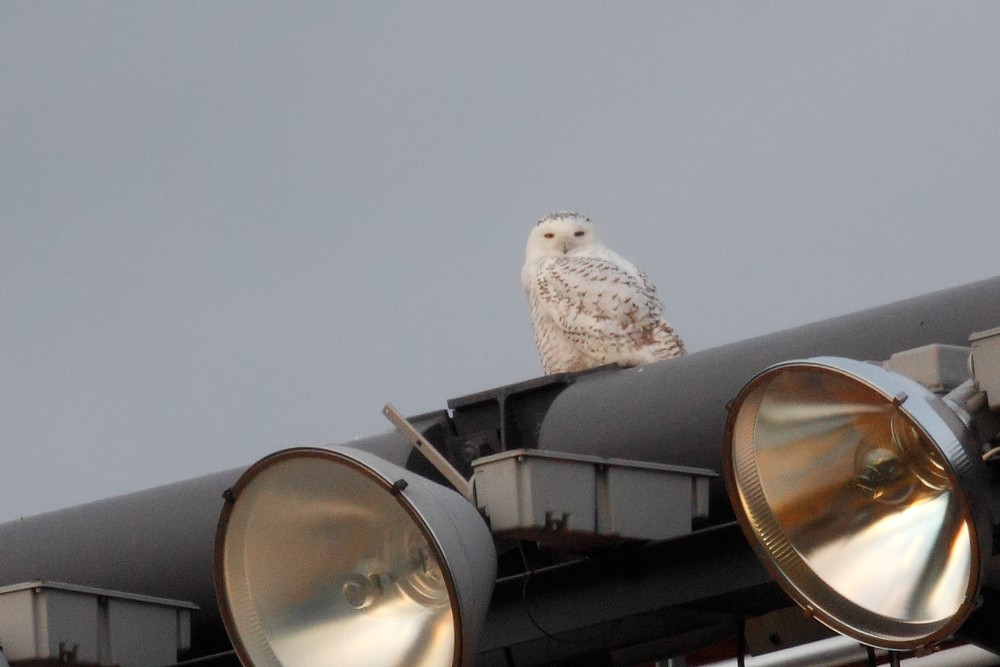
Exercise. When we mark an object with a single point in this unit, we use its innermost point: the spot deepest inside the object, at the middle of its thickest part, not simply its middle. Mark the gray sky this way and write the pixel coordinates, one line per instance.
(230, 228)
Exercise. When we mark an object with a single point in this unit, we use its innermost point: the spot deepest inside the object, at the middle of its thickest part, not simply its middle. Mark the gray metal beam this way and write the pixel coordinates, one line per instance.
(674, 411)
(628, 597)
(156, 542)
(160, 542)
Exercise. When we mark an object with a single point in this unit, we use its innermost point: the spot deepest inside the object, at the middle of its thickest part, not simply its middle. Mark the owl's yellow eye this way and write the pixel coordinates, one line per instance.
(578, 233)
(549, 235)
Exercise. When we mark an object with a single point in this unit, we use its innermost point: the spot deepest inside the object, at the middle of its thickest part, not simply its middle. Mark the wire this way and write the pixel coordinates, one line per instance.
(530, 571)
(991, 454)
(205, 659)
(741, 642)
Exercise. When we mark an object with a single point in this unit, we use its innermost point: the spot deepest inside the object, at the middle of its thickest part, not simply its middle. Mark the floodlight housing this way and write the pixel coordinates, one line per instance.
(864, 494)
(337, 557)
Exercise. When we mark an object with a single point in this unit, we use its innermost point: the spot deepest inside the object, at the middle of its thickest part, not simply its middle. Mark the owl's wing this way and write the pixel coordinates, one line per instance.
(597, 303)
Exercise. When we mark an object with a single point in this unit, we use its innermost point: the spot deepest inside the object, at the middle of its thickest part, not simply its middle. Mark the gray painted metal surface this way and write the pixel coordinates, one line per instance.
(841, 652)
(52, 622)
(160, 542)
(157, 542)
(674, 411)
(664, 598)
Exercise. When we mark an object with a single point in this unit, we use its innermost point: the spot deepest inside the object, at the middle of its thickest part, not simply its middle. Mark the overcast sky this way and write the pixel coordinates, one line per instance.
(231, 228)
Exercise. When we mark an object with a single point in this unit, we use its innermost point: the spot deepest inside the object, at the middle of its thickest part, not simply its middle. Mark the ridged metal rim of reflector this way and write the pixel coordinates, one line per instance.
(365, 464)
(939, 424)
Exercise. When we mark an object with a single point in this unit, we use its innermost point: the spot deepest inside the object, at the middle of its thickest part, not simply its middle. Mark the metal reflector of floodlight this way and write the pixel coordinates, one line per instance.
(864, 495)
(337, 557)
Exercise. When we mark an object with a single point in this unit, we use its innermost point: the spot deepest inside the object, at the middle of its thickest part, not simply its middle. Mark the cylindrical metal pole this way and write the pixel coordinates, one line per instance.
(674, 411)
(156, 542)
(160, 542)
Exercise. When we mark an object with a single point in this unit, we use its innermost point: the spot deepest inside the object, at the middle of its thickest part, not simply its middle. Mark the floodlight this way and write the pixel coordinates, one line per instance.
(337, 557)
(865, 496)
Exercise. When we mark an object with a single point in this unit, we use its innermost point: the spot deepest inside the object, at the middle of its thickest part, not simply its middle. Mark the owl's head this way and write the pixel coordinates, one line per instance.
(561, 233)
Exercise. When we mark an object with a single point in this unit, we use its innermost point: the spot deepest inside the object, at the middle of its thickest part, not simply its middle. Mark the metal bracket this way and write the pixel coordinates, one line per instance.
(424, 446)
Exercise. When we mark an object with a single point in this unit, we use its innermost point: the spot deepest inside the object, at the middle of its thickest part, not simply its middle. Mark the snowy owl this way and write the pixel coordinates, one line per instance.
(590, 306)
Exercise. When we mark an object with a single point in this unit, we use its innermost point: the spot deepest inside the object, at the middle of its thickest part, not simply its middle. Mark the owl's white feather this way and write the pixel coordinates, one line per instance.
(590, 306)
